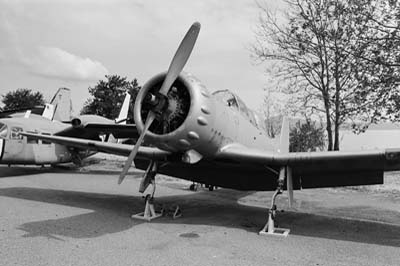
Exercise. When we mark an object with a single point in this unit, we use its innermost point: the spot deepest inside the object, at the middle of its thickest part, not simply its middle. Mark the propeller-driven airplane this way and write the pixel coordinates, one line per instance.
(213, 138)
(17, 149)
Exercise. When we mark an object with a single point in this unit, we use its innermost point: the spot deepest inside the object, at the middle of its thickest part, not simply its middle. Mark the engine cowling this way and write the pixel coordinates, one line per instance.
(187, 124)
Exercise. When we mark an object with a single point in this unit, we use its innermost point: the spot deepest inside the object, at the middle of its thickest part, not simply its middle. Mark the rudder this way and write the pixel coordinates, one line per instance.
(284, 138)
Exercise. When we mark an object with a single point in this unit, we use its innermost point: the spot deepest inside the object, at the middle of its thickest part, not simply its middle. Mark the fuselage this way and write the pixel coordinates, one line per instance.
(234, 125)
(237, 125)
(200, 120)
(213, 121)
(17, 149)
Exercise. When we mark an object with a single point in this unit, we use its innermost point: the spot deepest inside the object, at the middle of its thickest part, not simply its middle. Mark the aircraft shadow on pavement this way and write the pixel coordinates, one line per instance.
(111, 215)
(14, 171)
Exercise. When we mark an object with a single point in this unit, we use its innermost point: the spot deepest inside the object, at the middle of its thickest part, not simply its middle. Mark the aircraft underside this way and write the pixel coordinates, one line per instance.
(245, 177)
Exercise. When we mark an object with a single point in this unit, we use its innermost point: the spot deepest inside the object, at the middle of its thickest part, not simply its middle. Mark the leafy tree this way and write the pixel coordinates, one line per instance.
(321, 54)
(22, 98)
(306, 136)
(108, 95)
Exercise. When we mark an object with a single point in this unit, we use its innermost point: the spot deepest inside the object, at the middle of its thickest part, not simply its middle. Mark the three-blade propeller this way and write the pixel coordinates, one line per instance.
(175, 68)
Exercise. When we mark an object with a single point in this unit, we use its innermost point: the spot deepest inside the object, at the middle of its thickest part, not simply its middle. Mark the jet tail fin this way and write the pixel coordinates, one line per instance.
(123, 114)
(62, 105)
(284, 139)
(27, 114)
(48, 111)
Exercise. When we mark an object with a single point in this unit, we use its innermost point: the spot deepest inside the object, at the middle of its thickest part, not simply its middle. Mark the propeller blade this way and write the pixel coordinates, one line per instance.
(178, 62)
(150, 118)
(180, 58)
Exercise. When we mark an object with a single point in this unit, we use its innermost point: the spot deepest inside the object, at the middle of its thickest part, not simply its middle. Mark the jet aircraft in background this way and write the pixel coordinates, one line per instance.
(59, 108)
(213, 138)
(17, 149)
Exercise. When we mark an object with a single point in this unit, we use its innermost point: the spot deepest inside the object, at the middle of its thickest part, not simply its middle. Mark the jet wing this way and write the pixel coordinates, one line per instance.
(321, 169)
(94, 129)
(106, 147)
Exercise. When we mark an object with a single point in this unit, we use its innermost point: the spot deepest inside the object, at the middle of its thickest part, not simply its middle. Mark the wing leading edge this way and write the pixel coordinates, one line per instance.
(106, 147)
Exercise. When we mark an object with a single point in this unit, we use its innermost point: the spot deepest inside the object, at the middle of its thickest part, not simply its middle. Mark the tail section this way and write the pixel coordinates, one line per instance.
(111, 139)
(48, 111)
(62, 105)
(284, 139)
(284, 148)
(123, 114)
(122, 117)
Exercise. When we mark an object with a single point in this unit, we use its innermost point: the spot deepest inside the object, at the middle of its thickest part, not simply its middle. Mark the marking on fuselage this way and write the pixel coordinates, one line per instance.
(2, 145)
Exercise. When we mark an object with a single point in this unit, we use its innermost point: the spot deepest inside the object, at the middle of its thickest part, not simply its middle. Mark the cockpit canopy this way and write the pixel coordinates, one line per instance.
(234, 102)
(3, 130)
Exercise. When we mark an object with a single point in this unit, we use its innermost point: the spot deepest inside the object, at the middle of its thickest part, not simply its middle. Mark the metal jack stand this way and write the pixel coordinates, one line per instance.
(149, 211)
(175, 212)
(269, 228)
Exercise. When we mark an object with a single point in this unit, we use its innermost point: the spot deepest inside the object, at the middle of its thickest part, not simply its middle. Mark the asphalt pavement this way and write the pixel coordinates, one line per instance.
(72, 217)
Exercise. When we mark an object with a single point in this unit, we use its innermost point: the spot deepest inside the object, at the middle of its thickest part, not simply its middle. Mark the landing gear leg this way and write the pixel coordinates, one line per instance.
(148, 179)
(269, 228)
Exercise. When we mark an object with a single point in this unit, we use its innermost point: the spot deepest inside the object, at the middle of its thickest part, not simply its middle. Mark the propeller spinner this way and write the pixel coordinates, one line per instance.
(175, 68)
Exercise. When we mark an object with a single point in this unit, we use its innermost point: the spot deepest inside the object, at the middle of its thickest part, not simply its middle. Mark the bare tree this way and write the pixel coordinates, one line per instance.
(318, 46)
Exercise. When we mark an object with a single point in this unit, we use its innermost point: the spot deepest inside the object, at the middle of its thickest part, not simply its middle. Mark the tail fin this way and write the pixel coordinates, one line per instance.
(123, 114)
(48, 111)
(112, 139)
(284, 139)
(62, 104)
(284, 148)
(27, 114)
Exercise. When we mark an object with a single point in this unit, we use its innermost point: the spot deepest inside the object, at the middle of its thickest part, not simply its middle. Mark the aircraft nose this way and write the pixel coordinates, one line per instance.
(2, 141)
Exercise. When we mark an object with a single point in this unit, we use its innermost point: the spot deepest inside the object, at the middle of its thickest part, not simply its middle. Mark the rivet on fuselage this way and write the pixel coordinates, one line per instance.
(184, 143)
(193, 135)
(205, 110)
(202, 121)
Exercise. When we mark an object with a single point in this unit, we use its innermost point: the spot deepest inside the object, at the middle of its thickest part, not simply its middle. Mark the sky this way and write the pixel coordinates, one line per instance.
(48, 44)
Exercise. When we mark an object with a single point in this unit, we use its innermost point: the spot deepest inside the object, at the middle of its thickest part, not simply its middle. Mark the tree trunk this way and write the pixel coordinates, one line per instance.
(329, 131)
(336, 145)
(337, 100)
(328, 121)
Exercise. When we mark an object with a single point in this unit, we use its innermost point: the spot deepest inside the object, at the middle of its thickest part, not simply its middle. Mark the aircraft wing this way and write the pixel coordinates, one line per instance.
(309, 169)
(94, 129)
(321, 169)
(106, 147)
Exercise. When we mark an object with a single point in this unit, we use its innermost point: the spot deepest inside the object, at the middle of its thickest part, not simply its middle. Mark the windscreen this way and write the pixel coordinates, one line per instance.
(234, 102)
